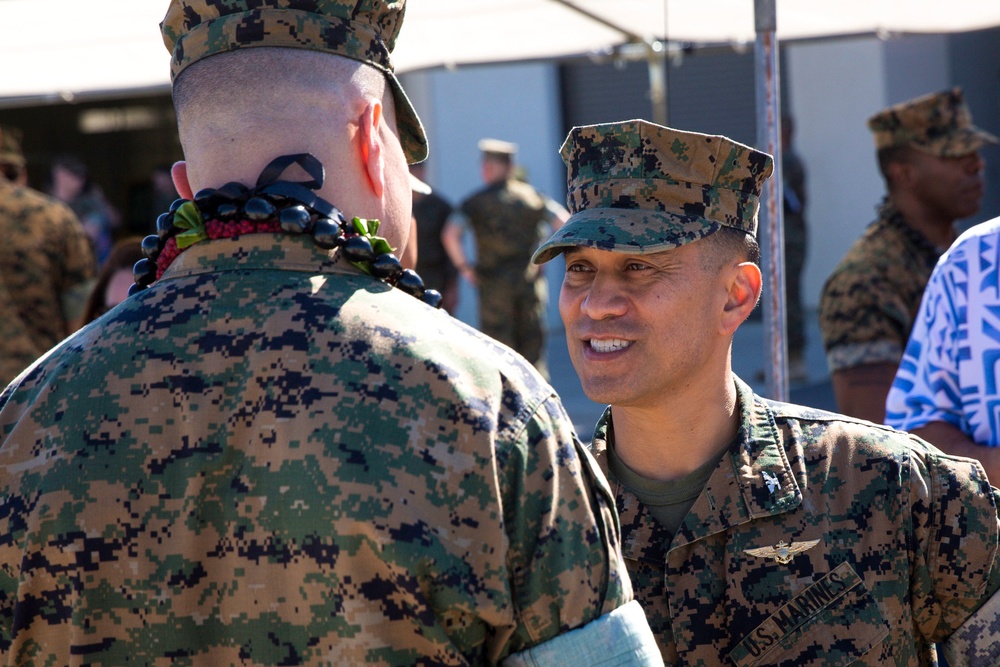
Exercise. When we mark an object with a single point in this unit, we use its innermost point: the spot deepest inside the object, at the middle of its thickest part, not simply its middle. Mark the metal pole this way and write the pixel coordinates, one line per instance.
(656, 63)
(771, 209)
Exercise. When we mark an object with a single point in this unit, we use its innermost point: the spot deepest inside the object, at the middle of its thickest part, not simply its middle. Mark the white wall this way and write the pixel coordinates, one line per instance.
(835, 87)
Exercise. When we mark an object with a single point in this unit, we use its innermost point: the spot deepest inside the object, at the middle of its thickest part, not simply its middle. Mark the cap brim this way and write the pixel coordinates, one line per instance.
(419, 186)
(961, 142)
(634, 231)
(411, 130)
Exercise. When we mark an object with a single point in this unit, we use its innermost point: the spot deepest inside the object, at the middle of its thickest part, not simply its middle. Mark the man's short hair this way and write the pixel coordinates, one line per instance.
(225, 74)
(728, 245)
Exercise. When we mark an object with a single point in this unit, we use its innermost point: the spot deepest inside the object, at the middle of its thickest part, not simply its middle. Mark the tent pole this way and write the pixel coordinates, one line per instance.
(771, 210)
(656, 57)
(656, 61)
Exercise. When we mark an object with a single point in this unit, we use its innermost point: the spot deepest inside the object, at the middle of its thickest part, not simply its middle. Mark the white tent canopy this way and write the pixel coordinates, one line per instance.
(457, 32)
(61, 49)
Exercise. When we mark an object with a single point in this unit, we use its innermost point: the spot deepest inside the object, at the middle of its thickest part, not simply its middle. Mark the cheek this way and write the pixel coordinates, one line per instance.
(567, 304)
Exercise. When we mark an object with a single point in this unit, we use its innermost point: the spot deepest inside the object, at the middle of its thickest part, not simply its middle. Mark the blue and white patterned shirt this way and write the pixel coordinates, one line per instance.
(951, 368)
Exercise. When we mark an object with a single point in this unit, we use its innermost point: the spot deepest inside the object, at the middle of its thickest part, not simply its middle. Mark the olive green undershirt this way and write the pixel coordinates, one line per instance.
(668, 502)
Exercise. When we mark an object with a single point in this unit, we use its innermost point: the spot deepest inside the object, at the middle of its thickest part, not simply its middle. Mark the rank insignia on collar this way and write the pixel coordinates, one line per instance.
(771, 481)
(781, 552)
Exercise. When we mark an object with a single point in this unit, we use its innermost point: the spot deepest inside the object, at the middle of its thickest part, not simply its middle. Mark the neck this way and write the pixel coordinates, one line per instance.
(680, 435)
(937, 229)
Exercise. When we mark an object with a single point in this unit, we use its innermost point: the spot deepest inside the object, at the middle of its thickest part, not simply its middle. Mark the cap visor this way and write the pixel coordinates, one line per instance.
(411, 131)
(635, 231)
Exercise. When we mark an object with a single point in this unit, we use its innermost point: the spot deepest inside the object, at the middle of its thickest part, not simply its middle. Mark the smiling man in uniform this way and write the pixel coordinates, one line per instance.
(755, 532)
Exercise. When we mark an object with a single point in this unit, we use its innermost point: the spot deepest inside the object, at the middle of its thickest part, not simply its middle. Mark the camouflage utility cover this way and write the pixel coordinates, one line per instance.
(820, 541)
(637, 187)
(939, 124)
(260, 460)
(46, 265)
(870, 301)
(363, 30)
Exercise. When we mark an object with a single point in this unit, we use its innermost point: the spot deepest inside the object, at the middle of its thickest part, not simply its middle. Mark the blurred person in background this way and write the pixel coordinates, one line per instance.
(508, 218)
(114, 279)
(46, 265)
(928, 153)
(70, 183)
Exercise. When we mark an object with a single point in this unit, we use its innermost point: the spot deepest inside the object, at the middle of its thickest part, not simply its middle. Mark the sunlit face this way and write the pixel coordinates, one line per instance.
(640, 327)
(950, 187)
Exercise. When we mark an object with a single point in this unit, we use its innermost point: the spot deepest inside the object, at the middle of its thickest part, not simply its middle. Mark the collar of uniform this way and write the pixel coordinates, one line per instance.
(753, 481)
(256, 251)
(891, 216)
(738, 490)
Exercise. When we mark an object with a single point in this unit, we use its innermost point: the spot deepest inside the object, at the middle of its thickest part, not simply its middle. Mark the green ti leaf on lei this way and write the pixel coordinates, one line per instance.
(188, 217)
(369, 229)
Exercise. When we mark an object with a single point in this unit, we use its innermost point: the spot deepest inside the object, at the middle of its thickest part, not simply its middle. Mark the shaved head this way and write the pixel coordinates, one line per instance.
(237, 111)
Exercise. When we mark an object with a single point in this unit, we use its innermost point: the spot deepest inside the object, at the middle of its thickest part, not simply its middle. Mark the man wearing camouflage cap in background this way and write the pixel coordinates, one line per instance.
(272, 454)
(755, 532)
(509, 218)
(46, 265)
(928, 153)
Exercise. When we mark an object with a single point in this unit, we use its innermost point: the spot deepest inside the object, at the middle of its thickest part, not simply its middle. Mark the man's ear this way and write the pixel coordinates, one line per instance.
(744, 292)
(371, 148)
(179, 175)
(899, 174)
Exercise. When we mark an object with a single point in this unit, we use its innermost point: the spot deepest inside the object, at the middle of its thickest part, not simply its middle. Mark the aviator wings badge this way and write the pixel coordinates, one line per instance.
(771, 481)
(781, 552)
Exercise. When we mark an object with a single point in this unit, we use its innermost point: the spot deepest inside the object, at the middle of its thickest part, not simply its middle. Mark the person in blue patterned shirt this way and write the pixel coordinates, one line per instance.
(946, 387)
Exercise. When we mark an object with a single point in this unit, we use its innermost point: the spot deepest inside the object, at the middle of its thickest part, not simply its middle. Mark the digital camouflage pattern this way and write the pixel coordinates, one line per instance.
(261, 460)
(939, 124)
(509, 220)
(638, 187)
(46, 268)
(363, 30)
(906, 550)
(870, 301)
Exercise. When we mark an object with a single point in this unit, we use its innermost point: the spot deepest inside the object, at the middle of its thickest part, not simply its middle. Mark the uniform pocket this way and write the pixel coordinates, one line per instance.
(833, 622)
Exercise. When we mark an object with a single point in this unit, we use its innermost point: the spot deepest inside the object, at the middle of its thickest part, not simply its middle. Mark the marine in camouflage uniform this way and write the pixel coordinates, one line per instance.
(259, 459)
(870, 301)
(509, 219)
(46, 268)
(797, 537)
(928, 154)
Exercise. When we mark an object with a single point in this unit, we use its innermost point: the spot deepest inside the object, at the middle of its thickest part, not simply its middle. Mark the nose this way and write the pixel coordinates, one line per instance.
(974, 163)
(606, 298)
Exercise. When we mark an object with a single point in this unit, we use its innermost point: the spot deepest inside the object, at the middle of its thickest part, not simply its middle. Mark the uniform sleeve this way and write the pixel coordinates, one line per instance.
(955, 530)
(77, 267)
(862, 319)
(927, 386)
(564, 559)
(621, 638)
(19, 349)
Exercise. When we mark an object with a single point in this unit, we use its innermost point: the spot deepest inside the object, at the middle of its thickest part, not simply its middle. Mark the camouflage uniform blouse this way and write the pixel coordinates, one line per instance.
(906, 549)
(509, 220)
(46, 263)
(870, 301)
(271, 458)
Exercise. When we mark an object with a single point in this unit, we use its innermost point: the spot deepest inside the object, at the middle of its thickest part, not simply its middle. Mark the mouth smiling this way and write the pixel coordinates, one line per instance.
(608, 345)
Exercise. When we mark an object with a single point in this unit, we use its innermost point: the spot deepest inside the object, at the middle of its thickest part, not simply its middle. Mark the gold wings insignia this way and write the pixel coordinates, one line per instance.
(781, 552)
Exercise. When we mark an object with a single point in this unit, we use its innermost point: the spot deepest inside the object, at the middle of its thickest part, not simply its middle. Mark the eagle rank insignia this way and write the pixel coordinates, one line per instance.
(781, 552)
